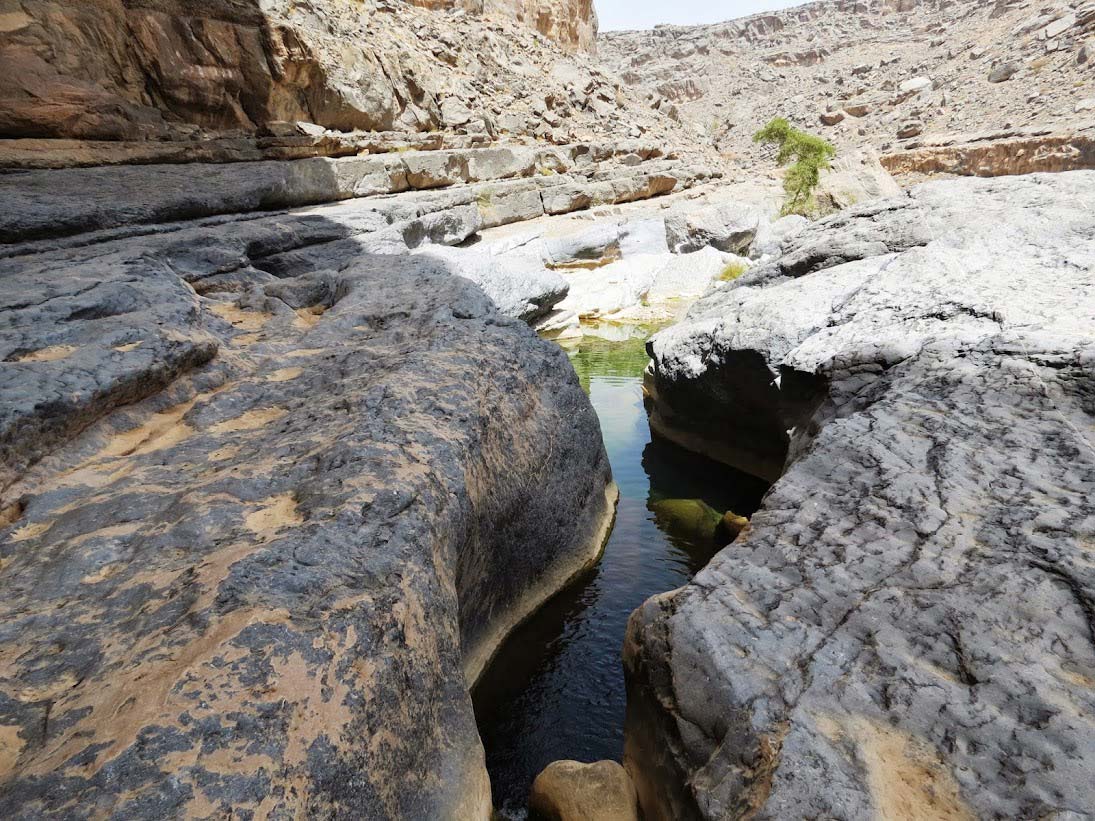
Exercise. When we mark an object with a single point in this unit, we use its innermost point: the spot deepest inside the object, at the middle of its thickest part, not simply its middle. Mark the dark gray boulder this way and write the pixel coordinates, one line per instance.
(256, 545)
(74, 200)
(907, 628)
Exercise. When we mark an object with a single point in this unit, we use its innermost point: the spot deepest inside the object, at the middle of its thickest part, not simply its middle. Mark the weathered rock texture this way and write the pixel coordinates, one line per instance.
(181, 70)
(854, 178)
(571, 23)
(619, 276)
(506, 184)
(992, 155)
(268, 500)
(573, 791)
(879, 74)
(907, 627)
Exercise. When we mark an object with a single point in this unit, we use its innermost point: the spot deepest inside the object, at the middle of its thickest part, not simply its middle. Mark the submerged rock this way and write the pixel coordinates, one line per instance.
(572, 791)
(906, 629)
(690, 518)
(255, 546)
(730, 526)
(697, 521)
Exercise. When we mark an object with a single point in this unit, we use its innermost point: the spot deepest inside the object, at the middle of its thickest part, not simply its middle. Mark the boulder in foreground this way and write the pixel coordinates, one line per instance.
(572, 791)
(274, 533)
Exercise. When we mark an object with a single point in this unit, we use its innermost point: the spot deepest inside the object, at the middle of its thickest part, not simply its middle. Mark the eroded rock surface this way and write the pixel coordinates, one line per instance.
(854, 178)
(571, 23)
(907, 627)
(995, 154)
(729, 229)
(888, 75)
(179, 70)
(505, 182)
(573, 791)
(268, 502)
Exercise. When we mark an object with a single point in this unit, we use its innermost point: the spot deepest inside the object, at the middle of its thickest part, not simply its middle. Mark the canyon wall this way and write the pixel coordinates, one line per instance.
(276, 481)
(138, 69)
(570, 23)
(272, 488)
(887, 75)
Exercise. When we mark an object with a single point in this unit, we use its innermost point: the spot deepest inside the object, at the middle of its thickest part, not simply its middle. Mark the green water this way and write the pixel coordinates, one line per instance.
(556, 688)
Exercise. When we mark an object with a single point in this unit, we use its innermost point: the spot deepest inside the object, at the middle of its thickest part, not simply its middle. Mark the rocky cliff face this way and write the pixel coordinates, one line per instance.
(570, 23)
(907, 628)
(893, 76)
(279, 468)
(133, 69)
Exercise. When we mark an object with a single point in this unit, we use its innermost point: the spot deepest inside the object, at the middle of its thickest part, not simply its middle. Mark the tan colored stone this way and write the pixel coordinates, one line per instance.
(114, 70)
(997, 158)
(572, 791)
(570, 23)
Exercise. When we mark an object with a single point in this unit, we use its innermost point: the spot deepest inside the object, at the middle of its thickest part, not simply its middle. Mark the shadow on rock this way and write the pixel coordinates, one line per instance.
(258, 541)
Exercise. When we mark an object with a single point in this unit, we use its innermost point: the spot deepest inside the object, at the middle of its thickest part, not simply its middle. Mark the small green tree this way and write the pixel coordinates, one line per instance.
(809, 155)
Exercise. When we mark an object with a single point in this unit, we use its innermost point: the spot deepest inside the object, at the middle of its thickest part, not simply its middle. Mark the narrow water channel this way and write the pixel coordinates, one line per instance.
(556, 688)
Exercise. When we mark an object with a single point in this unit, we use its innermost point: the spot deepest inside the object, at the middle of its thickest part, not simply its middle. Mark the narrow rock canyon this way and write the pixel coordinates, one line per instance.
(446, 409)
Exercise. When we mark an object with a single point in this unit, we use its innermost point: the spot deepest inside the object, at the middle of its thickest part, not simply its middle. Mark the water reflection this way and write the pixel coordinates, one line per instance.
(556, 689)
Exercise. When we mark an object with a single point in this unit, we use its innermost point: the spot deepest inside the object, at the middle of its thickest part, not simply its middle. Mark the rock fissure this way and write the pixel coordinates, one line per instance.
(282, 461)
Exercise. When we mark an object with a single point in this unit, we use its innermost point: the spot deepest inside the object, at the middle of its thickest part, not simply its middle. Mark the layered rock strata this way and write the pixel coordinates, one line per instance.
(508, 184)
(186, 71)
(22, 154)
(907, 627)
(995, 156)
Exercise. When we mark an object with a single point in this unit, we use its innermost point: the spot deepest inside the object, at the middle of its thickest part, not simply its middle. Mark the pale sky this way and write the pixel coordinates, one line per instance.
(616, 15)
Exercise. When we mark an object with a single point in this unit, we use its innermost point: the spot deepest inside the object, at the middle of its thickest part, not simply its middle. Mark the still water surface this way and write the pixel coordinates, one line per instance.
(556, 688)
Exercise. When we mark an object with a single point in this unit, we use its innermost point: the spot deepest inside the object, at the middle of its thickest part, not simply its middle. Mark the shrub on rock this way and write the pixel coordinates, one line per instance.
(808, 156)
